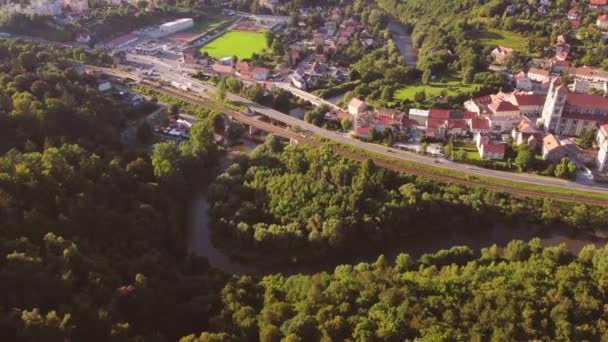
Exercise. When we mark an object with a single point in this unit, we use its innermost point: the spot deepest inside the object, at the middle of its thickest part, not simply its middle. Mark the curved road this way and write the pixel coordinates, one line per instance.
(377, 149)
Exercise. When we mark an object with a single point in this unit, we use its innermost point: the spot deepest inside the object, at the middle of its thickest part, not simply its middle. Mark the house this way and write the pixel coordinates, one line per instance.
(492, 150)
(538, 75)
(457, 127)
(436, 128)
(530, 105)
(574, 14)
(501, 54)
(121, 42)
(562, 48)
(222, 70)
(356, 106)
(598, 4)
(523, 82)
(83, 37)
(602, 143)
(543, 10)
(526, 132)
(553, 149)
(602, 22)
(580, 86)
(249, 72)
(419, 115)
(479, 125)
(559, 67)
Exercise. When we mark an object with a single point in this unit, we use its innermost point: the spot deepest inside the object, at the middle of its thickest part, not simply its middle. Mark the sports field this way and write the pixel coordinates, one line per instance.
(236, 43)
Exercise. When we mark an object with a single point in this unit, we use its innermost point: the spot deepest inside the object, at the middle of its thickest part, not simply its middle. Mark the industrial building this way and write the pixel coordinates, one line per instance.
(172, 27)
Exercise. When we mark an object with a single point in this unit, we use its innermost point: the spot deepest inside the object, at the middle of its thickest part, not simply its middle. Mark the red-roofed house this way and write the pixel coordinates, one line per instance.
(501, 53)
(83, 37)
(223, 70)
(252, 73)
(121, 42)
(457, 127)
(492, 150)
(602, 21)
(598, 4)
(538, 75)
(439, 114)
(479, 125)
(559, 66)
(574, 14)
(436, 127)
(530, 105)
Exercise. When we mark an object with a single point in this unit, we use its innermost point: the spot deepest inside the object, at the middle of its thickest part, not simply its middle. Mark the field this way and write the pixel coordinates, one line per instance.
(492, 37)
(451, 85)
(236, 43)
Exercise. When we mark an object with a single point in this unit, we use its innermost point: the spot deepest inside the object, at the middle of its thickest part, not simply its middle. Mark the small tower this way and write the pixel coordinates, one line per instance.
(554, 105)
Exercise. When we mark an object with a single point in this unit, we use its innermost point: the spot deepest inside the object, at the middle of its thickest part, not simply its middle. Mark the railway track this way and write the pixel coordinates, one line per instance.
(286, 133)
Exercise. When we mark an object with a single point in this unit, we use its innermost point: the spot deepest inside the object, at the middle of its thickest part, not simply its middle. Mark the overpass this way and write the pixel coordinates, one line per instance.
(425, 164)
(317, 101)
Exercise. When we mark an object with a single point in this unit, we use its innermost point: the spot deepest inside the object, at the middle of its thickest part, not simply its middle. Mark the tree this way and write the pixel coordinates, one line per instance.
(221, 92)
(587, 138)
(346, 124)
(525, 157)
(565, 169)
(420, 96)
(166, 160)
(174, 110)
(426, 76)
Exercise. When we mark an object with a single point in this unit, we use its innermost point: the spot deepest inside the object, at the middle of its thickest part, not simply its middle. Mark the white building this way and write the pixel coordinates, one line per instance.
(172, 27)
(602, 142)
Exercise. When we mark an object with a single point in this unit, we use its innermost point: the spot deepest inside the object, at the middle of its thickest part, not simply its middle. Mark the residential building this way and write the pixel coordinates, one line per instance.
(602, 22)
(492, 150)
(251, 73)
(528, 133)
(602, 143)
(580, 86)
(481, 126)
(223, 70)
(553, 149)
(356, 106)
(538, 75)
(523, 82)
(598, 4)
(121, 42)
(501, 53)
(420, 115)
(559, 67)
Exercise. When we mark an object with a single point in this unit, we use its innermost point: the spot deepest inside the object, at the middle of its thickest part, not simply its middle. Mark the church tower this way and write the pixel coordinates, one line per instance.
(554, 105)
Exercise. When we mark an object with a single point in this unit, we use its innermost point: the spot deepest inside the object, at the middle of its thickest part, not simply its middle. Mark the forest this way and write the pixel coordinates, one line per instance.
(522, 292)
(92, 233)
(284, 204)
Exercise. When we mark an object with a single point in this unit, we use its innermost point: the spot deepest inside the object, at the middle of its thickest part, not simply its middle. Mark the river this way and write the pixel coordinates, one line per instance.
(428, 241)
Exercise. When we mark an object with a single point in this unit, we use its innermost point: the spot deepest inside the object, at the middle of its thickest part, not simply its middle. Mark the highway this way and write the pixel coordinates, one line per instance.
(374, 148)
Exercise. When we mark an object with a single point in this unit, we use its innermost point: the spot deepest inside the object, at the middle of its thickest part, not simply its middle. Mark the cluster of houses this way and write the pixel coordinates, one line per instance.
(334, 34)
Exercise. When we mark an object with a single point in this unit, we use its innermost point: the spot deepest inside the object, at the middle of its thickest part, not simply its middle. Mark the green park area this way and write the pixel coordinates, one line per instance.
(241, 44)
(209, 21)
(493, 37)
(452, 86)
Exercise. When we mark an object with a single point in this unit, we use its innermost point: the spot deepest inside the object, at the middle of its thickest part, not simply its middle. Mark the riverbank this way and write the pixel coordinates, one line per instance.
(475, 236)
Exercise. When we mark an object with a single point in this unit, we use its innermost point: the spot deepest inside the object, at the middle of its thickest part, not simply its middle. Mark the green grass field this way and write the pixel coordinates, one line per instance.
(451, 85)
(208, 22)
(492, 37)
(236, 43)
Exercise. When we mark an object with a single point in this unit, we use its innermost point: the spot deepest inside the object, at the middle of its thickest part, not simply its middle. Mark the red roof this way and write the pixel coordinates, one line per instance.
(598, 2)
(503, 106)
(433, 123)
(469, 115)
(480, 124)
(587, 101)
(457, 123)
(439, 113)
(575, 23)
(530, 100)
(362, 130)
(537, 71)
(604, 129)
(603, 17)
(559, 63)
(222, 69)
(494, 148)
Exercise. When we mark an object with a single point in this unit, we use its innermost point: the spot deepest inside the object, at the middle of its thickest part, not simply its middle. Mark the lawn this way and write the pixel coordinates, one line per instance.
(209, 22)
(236, 43)
(451, 85)
(492, 37)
